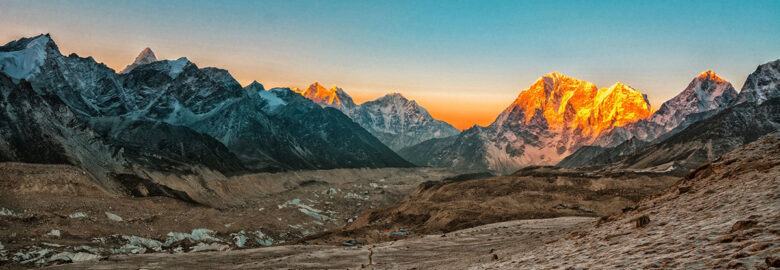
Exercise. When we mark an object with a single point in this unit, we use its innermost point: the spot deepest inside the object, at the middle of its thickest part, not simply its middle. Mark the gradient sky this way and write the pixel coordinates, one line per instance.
(465, 61)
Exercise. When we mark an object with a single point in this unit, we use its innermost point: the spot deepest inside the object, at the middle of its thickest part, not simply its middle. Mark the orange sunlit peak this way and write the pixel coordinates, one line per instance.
(567, 102)
(710, 75)
(320, 94)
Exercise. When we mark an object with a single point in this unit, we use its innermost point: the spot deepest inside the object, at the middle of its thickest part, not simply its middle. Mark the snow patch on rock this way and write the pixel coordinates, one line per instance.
(24, 63)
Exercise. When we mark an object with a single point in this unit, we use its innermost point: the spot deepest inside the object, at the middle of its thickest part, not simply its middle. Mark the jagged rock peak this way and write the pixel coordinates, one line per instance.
(255, 87)
(333, 97)
(145, 57)
(761, 85)
(710, 75)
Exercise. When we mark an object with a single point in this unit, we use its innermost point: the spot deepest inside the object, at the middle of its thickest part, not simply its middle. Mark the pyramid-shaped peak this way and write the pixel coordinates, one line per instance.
(255, 86)
(146, 56)
(316, 86)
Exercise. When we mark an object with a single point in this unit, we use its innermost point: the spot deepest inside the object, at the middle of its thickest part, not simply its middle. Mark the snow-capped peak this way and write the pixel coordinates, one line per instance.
(21, 63)
(145, 57)
(177, 66)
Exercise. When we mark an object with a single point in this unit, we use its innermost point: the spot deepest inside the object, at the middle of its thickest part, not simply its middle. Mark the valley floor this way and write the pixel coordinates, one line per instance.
(724, 214)
(459, 249)
(51, 214)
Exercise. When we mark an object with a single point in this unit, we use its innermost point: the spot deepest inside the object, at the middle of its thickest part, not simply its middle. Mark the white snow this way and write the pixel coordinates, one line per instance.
(24, 63)
(273, 101)
(177, 66)
(305, 209)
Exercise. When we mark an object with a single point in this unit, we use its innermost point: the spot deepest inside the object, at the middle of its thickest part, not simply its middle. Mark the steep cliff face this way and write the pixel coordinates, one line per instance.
(551, 119)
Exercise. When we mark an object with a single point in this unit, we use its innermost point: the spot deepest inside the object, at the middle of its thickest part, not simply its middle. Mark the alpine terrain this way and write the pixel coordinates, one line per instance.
(393, 119)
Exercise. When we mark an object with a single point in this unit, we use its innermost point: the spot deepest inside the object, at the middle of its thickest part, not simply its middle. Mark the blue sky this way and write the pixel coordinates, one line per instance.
(463, 60)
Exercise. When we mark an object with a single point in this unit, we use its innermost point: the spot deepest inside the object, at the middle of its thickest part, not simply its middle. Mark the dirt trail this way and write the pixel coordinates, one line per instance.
(460, 248)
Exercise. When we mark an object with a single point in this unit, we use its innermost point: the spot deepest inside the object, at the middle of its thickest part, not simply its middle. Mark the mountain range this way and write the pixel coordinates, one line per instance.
(570, 123)
(395, 120)
(165, 117)
(704, 121)
(170, 117)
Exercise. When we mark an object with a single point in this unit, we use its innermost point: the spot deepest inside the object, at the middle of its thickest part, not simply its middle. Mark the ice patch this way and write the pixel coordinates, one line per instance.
(73, 257)
(209, 247)
(38, 256)
(351, 195)
(128, 249)
(197, 235)
(22, 64)
(239, 239)
(93, 250)
(113, 217)
(143, 242)
(330, 191)
(307, 210)
(8, 213)
(77, 215)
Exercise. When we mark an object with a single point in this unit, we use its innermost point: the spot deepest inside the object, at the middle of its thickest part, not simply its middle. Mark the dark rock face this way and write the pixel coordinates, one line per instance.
(164, 147)
(40, 128)
(327, 132)
(23, 133)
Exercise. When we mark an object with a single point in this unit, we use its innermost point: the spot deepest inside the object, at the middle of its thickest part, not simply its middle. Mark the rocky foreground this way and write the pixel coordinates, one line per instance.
(726, 214)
